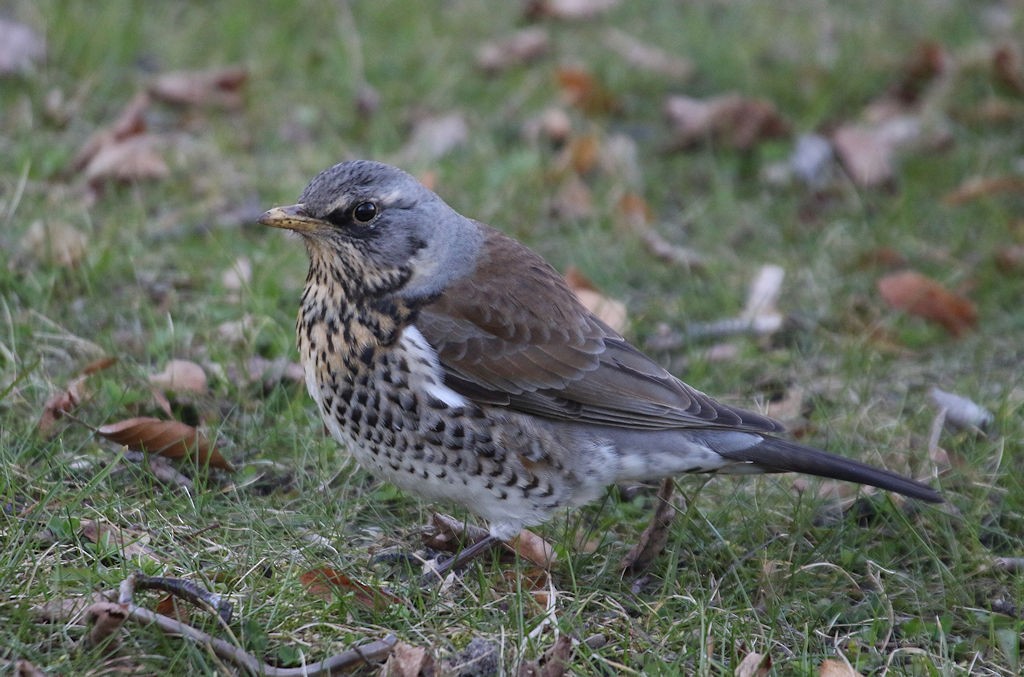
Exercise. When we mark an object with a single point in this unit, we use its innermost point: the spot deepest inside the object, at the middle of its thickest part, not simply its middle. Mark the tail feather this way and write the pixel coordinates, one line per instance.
(777, 455)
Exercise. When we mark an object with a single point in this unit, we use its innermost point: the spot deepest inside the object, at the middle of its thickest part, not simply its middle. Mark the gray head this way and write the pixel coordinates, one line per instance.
(372, 219)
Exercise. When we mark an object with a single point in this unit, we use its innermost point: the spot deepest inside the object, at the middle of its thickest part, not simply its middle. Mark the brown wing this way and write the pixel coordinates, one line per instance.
(513, 334)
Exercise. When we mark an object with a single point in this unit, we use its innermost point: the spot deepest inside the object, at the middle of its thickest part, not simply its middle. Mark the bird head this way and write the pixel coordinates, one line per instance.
(378, 229)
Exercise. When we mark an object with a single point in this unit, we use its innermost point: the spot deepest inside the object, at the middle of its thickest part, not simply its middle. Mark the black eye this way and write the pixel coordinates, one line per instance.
(364, 212)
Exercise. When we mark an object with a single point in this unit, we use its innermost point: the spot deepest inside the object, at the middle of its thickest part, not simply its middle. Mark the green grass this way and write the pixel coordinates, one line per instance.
(752, 565)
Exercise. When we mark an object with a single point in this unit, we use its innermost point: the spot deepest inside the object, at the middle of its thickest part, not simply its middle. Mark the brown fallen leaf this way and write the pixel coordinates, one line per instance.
(171, 439)
(517, 49)
(130, 122)
(433, 137)
(60, 403)
(170, 606)
(1006, 64)
(55, 242)
(217, 87)
(98, 365)
(129, 542)
(754, 665)
(26, 668)
(136, 158)
(104, 619)
(1010, 260)
(833, 668)
(327, 583)
(737, 121)
(929, 61)
(653, 539)
(645, 57)
(582, 90)
(181, 376)
(917, 294)
(610, 311)
(983, 186)
(407, 660)
(68, 610)
(534, 549)
(573, 201)
(21, 48)
(567, 10)
(554, 662)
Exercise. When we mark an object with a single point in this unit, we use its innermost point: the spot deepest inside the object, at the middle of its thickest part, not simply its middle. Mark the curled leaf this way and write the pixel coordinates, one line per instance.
(60, 403)
(325, 583)
(181, 376)
(920, 295)
(171, 439)
(218, 87)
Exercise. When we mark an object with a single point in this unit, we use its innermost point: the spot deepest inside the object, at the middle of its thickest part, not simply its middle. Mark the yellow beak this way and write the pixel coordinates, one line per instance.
(292, 217)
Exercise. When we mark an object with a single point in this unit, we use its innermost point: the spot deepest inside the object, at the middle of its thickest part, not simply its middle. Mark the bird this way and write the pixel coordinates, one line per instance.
(454, 362)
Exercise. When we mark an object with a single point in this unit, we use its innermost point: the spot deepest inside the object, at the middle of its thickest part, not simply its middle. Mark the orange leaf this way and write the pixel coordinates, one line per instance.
(61, 403)
(582, 90)
(171, 439)
(833, 668)
(917, 294)
(325, 583)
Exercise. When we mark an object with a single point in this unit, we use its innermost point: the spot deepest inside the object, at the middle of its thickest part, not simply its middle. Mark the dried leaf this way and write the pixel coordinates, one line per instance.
(218, 87)
(534, 549)
(130, 543)
(517, 49)
(754, 665)
(1010, 260)
(573, 201)
(20, 47)
(26, 668)
(983, 186)
(170, 606)
(580, 89)
(653, 539)
(737, 121)
(98, 365)
(57, 242)
(327, 583)
(640, 54)
(133, 159)
(917, 294)
(434, 137)
(553, 125)
(69, 610)
(568, 10)
(171, 439)
(105, 619)
(61, 403)
(181, 376)
(1006, 63)
(833, 668)
(407, 660)
(928, 62)
(868, 150)
(130, 122)
(554, 662)
(610, 311)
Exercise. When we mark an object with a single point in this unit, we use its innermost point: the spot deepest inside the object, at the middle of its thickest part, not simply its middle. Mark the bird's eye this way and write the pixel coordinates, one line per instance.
(364, 212)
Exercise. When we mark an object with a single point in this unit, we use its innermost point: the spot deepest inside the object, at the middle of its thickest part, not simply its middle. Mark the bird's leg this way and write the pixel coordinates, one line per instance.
(461, 559)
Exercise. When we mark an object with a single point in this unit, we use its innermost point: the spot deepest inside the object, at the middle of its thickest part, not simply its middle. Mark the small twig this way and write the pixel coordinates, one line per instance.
(125, 609)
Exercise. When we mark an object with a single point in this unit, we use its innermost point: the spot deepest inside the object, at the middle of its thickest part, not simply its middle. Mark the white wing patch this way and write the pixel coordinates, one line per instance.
(425, 365)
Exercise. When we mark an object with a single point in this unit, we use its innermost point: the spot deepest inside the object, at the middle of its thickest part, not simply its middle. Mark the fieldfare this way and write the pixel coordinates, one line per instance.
(456, 363)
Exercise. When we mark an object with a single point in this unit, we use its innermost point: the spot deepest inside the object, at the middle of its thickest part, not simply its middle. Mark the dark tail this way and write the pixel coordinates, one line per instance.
(776, 455)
